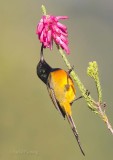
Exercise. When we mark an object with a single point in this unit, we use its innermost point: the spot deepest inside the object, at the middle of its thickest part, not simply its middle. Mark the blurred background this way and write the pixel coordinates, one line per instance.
(30, 126)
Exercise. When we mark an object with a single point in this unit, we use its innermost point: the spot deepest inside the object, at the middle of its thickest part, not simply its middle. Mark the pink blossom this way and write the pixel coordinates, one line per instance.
(49, 29)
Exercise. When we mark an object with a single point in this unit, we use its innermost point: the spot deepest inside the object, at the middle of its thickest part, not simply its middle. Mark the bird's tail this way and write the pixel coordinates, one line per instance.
(73, 127)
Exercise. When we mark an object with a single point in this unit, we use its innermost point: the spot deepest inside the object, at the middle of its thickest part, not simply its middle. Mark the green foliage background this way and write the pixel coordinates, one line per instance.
(30, 127)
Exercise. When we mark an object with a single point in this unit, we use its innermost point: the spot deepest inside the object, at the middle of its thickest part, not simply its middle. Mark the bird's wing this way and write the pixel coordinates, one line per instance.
(53, 97)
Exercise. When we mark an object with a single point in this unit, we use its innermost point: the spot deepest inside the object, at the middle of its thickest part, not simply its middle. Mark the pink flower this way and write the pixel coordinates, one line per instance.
(49, 29)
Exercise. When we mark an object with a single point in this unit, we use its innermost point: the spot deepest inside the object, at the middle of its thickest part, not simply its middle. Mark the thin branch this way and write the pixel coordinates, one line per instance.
(103, 116)
(96, 107)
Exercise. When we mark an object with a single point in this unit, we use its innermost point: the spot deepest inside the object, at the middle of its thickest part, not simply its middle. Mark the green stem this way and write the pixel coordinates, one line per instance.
(93, 72)
(83, 90)
(96, 107)
(99, 90)
(44, 10)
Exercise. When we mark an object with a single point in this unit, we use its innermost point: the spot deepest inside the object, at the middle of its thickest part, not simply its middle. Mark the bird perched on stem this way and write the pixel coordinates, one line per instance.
(61, 90)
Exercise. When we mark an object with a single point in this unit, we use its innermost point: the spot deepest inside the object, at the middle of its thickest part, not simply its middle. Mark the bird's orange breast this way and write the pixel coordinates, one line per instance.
(63, 87)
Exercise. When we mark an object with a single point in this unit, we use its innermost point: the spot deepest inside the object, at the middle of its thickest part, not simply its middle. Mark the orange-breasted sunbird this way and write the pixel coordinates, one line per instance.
(61, 90)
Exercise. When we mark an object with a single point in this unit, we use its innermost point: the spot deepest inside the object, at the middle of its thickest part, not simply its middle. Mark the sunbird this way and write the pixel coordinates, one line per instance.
(61, 90)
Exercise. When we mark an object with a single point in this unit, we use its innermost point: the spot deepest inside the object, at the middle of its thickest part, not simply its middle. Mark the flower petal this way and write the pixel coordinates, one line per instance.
(58, 31)
(61, 17)
(61, 26)
(65, 47)
(62, 44)
(42, 37)
(64, 39)
(49, 34)
(39, 28)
